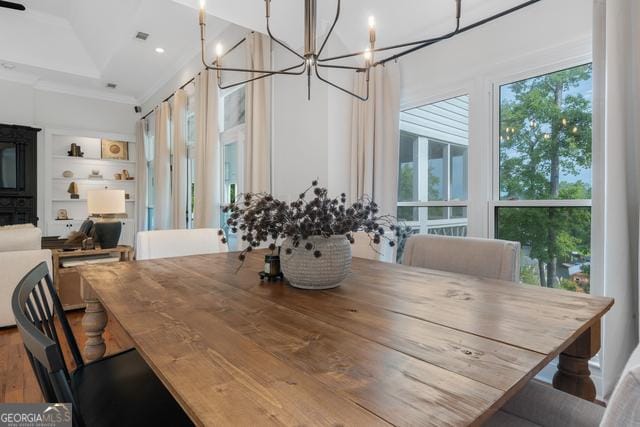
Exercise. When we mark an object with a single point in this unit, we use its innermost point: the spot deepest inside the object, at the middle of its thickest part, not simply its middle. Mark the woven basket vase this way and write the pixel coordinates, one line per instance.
(303, 270)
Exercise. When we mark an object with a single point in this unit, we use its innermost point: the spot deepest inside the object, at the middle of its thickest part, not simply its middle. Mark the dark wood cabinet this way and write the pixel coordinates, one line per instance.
(18, 175)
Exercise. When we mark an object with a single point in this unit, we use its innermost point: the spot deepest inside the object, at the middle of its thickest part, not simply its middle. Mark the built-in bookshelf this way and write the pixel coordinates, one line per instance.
(58, 161)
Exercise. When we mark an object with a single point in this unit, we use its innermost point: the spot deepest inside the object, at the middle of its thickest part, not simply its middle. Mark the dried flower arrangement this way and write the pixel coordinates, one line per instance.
(262, 218)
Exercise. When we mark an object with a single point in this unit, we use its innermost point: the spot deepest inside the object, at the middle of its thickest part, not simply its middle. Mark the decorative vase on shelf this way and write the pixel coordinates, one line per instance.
(73, 191)
(75, 151)
(306, 271)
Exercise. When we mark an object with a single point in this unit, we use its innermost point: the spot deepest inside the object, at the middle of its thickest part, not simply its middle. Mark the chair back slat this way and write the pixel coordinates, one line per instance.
(36, 323)
(64, 322)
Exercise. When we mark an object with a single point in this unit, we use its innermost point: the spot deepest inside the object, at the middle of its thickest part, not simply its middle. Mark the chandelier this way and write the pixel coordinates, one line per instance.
(311, 60)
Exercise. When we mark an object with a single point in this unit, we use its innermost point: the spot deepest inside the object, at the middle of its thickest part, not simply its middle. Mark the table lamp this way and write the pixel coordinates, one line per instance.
(106, 207)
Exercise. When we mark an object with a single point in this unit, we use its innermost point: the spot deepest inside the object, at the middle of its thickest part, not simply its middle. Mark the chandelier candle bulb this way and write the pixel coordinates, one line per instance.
(203, 12)
(368, 56)
(372, 31)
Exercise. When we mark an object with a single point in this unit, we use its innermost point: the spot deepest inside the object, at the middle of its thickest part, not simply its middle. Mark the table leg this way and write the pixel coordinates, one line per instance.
(93, 323)
(573, 374)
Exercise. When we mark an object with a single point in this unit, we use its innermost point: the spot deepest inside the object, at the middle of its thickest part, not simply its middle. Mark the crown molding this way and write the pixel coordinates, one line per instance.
(18, 77)
(47, 86)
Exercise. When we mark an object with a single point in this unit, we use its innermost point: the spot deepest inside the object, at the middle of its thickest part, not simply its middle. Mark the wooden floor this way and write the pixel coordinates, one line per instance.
(17, 381)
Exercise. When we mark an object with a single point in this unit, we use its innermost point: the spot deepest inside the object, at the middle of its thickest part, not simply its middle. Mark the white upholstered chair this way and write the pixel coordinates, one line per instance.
(541, 405)
(494, 259)
(19, 253)
(363, 247)
(175, 243)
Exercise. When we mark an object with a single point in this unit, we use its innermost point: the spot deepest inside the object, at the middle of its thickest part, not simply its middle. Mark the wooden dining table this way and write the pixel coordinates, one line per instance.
(393, 345)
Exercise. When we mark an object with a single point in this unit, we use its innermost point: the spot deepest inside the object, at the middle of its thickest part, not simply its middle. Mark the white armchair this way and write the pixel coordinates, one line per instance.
(19, 253)
(176, 243)
(541, 405)
(494, 259)
(363, 247)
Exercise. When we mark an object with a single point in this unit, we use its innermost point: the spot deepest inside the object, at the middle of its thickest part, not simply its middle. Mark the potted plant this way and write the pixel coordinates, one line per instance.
(315, 232)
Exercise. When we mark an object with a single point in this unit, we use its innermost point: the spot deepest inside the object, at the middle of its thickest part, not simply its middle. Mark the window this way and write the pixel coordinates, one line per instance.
(432, 178)
(151, 194)
(191, 155)
(544, 177)
(232, 132)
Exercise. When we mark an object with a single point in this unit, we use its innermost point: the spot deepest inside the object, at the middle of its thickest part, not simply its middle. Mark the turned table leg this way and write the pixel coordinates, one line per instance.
(93, 323)
(573, 374)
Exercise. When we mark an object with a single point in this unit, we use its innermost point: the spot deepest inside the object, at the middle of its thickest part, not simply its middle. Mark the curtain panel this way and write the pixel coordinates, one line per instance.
(179, 160)
(207, 160)
(141, 174)
(162, 172)
(615, 219)
(375, 137)
(257, 157)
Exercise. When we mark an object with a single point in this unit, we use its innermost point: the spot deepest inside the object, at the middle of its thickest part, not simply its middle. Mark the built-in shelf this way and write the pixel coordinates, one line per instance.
(57, 162)
(85, 180)
(91, 159)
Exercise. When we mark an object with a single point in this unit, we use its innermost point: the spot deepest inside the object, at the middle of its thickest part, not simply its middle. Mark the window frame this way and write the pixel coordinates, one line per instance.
(494, 201)
(419, 101)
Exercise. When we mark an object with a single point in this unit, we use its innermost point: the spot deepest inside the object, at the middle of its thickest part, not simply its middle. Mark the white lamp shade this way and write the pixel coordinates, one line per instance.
(105, 202)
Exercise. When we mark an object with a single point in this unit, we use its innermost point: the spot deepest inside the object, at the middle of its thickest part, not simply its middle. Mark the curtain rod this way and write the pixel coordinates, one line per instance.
(169, 97)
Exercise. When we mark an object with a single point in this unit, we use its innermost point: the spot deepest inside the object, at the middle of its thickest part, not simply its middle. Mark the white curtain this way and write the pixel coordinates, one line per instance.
(616, 70)
(179, 160)
(256, 149)
(207, 161)
(141, 174)
(375, 138)
(162, 172)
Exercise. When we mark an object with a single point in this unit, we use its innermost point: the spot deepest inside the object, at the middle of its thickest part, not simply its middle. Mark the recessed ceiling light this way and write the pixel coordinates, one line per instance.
(8, 66)
(159, 50)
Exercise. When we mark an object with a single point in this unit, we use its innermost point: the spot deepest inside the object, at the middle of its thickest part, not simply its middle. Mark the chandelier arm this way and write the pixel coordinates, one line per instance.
(326, 39)
(264, 75)
(361, 98)
(378, 49)
(423, 45)
(343, 67)
(283, 44)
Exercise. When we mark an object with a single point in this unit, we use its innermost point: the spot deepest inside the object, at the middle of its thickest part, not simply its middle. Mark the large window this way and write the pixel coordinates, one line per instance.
(232, 133)
(543, 187)
(432, 178)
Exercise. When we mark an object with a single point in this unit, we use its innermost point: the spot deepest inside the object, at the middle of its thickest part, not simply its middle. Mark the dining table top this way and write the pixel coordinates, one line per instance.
(392, 345)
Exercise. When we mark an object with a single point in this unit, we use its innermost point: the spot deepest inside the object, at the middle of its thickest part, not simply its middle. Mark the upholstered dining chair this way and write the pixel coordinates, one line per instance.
(490, 258)
(118, 390)
(174, 243)
(363, 247)
(539, 404)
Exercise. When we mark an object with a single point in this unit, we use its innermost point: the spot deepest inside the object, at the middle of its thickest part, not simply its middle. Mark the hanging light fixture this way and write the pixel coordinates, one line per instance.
(311, 60)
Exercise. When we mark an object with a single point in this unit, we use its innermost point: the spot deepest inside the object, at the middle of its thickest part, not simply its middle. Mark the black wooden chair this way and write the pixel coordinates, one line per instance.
(119, 390)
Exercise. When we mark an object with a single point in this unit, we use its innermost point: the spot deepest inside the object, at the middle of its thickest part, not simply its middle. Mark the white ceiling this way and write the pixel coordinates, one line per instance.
(80, 45)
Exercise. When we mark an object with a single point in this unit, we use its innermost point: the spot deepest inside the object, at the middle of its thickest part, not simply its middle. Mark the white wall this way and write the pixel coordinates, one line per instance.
(300, 135)
(311, 138)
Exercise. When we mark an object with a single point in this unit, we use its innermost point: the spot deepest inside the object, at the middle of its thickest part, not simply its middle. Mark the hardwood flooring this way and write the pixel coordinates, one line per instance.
(17, 381)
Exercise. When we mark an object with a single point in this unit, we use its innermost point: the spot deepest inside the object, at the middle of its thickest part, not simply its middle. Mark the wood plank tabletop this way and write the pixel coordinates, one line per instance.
(392, 345)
